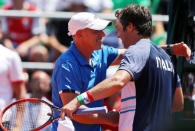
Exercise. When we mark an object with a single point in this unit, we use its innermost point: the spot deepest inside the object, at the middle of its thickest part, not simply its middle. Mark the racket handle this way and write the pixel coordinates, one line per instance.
(93, 110)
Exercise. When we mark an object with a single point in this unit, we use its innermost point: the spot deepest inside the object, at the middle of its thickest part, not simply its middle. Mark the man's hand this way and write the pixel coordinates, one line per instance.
(181, 49)
(69, 109)
(112, 118)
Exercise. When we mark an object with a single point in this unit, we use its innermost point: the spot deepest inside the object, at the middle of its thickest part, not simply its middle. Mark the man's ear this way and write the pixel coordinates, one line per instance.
(130, 27)
(79, 34)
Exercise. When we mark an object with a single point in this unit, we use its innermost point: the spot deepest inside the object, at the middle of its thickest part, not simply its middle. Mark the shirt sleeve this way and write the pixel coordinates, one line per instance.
(134, 61)
(15, 68)
(112, 54)
(67, 78)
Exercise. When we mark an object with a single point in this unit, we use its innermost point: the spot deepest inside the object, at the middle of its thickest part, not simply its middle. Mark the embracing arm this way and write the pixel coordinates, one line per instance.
(110, 118)
(111, 85)
(117, 61)
(179, 49)
(102, 90)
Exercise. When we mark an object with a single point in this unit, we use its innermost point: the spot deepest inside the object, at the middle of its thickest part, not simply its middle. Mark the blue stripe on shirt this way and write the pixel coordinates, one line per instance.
(128, 98)
(121, 112)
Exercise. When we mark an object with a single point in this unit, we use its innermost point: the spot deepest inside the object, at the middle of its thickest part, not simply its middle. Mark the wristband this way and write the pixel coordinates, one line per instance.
(80, 99)
(90, 96)
(85, 98)
(168, 50)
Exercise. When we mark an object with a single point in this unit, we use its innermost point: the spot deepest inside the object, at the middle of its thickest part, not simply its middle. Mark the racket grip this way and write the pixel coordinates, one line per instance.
(93, 110)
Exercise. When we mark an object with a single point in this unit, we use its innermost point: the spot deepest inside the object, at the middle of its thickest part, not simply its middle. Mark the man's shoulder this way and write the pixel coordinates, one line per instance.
(141, 50)
(156, 50)
(106, 50)
(67, 58)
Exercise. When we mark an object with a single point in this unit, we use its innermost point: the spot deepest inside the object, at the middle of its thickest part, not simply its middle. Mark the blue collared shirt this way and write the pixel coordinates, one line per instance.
(72, 73)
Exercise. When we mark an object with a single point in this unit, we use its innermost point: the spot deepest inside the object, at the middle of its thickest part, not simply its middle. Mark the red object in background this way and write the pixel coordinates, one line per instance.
(20, 29)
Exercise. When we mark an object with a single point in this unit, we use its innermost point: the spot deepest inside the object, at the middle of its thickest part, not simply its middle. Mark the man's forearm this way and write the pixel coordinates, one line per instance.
(164, 47)
(19, 90)
(110, 118)
(178, 49)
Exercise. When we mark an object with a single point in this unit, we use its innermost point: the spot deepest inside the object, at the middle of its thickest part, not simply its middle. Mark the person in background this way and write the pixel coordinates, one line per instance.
(21, 34)
(39, 85)
(39, 53)
(11, 75)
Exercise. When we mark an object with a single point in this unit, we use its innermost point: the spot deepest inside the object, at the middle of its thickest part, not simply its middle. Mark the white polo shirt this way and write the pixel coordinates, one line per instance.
(10, 72)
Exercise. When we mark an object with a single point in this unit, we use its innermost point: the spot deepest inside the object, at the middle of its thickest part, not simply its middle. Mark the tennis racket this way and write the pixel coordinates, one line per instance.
(34, 114)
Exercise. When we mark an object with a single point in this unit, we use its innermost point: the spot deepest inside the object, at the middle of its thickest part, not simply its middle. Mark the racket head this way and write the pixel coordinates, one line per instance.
(32, 114)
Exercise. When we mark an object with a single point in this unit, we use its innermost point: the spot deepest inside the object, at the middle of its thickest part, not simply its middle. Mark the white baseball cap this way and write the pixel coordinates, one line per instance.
(86, 20)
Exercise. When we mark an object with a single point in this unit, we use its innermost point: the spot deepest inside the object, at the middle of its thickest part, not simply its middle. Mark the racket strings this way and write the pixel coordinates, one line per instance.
(26, 116)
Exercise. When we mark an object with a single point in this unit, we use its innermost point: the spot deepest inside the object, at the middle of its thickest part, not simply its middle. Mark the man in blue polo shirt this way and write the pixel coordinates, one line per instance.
(82, 67)
(146, 64)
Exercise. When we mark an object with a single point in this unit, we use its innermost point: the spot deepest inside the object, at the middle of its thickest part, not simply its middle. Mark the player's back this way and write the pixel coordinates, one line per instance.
(154, 92)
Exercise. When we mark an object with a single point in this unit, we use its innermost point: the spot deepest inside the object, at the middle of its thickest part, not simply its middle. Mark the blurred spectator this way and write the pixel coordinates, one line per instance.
(159, 36)
(39, 85)
(54, 46)
(38, 54)
(189, 95)
(26, 34)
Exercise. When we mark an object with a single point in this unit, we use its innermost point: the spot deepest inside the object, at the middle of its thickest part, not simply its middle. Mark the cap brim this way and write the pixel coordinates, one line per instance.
(100, 24)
